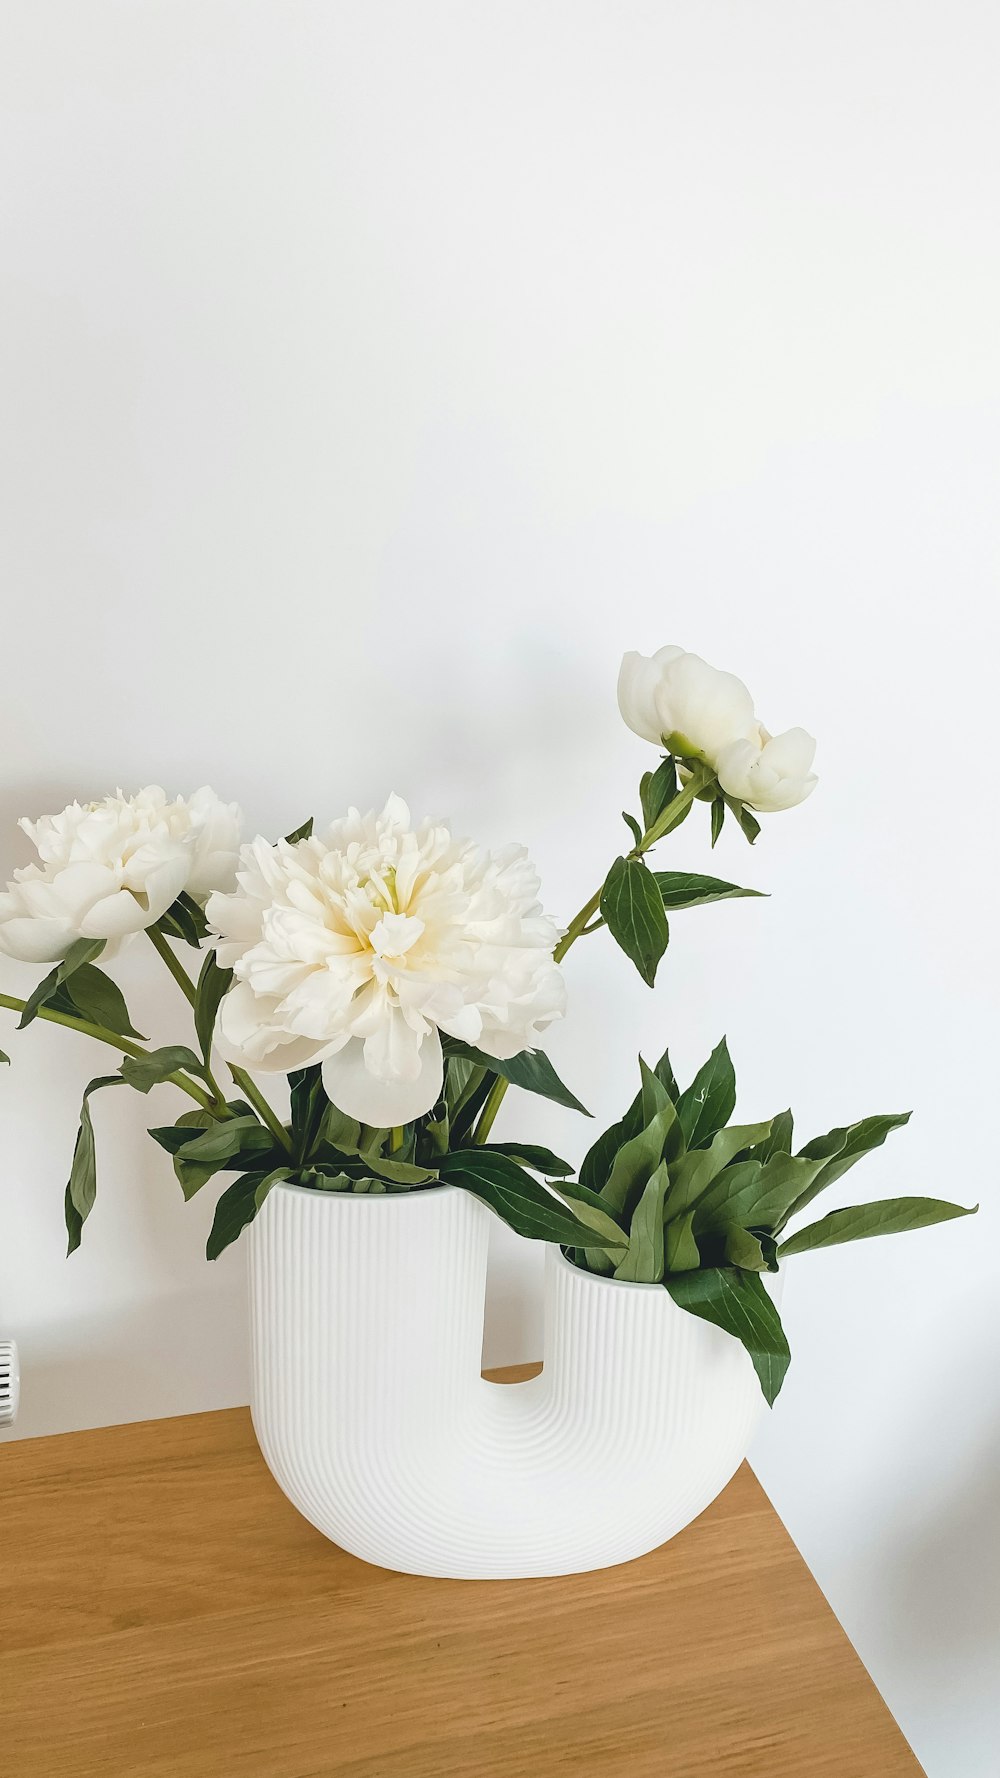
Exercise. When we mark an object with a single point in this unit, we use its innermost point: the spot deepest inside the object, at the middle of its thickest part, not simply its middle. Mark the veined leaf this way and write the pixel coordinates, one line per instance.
(143, 1072)
(657, 789)
(761, 1198)
(685, 889)
(635, 1161)
(531, 1070)
(239, 1135)
(213, 985)
(82, 952)
(519, 1199)
(633, 909)
(189, 1175)
(653, 1095)
(709, 1102)
(751, 1252)
(531, 1154)
(680, 1246)
(642, 1262)
(693, 1175)
(738, 1302)
(238, 1206)
(81, 1189)
(92, 995)
(633, 826)
(859, 1222)
(840, 1148)
(747, 819)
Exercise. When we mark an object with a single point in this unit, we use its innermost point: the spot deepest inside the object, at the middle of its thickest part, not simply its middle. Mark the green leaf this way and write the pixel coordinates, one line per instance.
(657, 789)
(591, 1210)
(749, 824)
(665, 1074)
(213, 985)
(653, 1095)
(398, 1172)
(224, 1141)
(709, 1102)
(642, 1262)
(92, 995)
(751, 1252)
(143, 1072)
(531, 1154)
(599, 1159)
(184, 920)
(633, 908)
(636, 1161)
(693, 1175)
(858, 1222)
(718, 817)
(762, 1198)
(81, 1188)
(238, 1206)
(780, 1139)
(633, 826)
(531, 1070)
(681, 1248)
(83, 951)
(686, 889)
(190, 1176)
(4, 1057)
(519, 1199)
(840, 1148)
(738, 1302)
(301, 833)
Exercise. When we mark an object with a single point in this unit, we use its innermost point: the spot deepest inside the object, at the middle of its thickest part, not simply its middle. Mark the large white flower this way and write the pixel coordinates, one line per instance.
(113, 867)
(357, 949)
(678, 701)
(769, 771)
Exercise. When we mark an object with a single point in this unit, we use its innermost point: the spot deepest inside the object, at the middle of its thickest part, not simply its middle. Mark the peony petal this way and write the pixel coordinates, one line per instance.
(36, 940)
(384, 1104)
(638, 679)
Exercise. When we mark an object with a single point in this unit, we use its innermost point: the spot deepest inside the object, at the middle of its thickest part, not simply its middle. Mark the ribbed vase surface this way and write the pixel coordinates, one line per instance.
(367, 1332)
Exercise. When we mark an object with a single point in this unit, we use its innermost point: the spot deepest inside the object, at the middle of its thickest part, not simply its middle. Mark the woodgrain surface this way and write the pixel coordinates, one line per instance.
(165, 1613)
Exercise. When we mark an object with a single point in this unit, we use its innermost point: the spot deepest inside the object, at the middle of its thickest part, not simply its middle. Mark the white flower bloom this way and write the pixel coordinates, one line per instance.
(357, 949)
(678, 700)
(769, 772)
(113, 867)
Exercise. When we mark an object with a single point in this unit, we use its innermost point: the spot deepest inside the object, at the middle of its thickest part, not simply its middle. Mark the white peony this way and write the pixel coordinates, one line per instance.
(677, 700)
(113, 867)
(357, 949)
(769, 772)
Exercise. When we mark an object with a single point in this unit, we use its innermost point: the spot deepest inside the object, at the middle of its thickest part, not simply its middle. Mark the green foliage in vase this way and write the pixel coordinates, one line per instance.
(702, 1204)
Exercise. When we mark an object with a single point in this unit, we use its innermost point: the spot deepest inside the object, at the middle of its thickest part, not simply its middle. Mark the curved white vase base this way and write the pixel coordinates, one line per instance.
(367, 1329)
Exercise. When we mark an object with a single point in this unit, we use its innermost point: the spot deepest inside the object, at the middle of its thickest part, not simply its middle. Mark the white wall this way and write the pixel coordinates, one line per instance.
(372, 377)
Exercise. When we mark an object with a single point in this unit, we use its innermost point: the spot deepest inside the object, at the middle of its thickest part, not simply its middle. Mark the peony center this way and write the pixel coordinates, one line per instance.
(395, 934)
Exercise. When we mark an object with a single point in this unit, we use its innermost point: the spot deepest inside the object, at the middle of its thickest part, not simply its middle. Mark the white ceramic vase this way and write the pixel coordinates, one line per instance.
(367, 1331)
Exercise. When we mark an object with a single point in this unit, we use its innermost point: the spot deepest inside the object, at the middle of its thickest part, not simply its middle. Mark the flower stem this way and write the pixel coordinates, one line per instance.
(579, 926)
(252, 1093)
(116, 1041)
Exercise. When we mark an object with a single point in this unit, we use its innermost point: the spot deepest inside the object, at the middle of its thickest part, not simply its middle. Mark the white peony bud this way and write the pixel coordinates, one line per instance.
(111, 868)
(769, 772)
(678, 701)
(356, 949)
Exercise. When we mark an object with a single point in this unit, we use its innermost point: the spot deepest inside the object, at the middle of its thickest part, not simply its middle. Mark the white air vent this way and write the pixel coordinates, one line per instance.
(10, 1383)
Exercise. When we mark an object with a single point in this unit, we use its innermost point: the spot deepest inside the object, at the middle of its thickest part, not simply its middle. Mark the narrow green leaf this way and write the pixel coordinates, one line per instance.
(633, 908)
(718, 817)
(531, 1070)
(657, 789)
(840, 1148)
(859, 1222)
(695, 1173)
(591, 1211)
(633, 826)
(4, 1057)
(749, 824)
(184, 920)
(681, 1248)
(190, 1176)
(83, 951)
(751, 1252)
(81, 1188)
(213, 985)
(739, 1303)
(686, 889)
(531, 1154)
(653, 1095)
(636, 1161)
(238, 1206)
(143, 1072)
(709, 1102)
(240, 1135)
(92, 995)
(519, 1199)
(642, 1262)
(301, 833)
(665, 1074)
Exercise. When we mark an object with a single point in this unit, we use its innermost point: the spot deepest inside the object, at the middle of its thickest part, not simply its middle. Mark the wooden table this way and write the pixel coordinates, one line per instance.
(165, 1613)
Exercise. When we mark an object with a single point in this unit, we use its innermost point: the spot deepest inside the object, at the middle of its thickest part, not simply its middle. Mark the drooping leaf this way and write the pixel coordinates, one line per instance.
(642, 1262)
(531, 1070)
(82, 952)
(143, 1072)
(739, 1303)
(657, 789)
(213, 985)
(189, 1174)
(531, 1154)
(81, 1188)
(93, 996)
(859, 1222)
(301, 833)
(840, 1148)
(238, 1206)
(591, 1210)
(518, 1198)
(686, 889)
(709, 1102)
(399, 1172)
(632, 906)
(224, 1141)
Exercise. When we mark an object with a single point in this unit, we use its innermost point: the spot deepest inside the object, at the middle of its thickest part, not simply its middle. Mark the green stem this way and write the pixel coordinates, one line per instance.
(395, 1138)
(252, 1093)
(116, 1041)
(701, 775)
